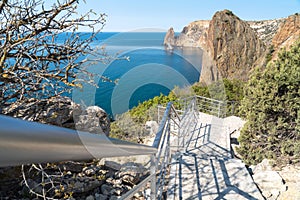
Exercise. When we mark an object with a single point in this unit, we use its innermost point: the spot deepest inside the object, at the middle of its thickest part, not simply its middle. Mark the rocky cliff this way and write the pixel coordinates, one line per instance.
(287, 34)
(233, 47)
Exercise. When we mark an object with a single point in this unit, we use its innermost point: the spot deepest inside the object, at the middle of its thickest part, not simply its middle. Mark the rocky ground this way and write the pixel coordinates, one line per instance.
(89, 180)
(111, 178)
(70, 180)
(275, 183)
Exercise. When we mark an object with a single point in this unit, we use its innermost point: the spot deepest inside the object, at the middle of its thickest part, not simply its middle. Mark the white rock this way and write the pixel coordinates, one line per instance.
(269, 182)
(152, 127)
(263, 166)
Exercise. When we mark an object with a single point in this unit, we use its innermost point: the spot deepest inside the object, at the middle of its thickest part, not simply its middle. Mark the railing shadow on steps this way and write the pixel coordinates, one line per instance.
(174, 132)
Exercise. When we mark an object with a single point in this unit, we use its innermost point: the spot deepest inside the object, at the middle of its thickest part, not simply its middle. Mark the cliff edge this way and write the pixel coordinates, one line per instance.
(287, 34)
(233, 47)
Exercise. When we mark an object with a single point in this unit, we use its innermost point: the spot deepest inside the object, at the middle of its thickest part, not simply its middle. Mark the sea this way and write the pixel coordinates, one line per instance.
(139, 68)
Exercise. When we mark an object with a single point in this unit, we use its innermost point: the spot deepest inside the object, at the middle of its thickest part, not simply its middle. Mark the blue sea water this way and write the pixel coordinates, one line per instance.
(149, 71)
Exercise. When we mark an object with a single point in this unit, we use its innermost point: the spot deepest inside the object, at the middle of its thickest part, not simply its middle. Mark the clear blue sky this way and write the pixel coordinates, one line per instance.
(129, 15)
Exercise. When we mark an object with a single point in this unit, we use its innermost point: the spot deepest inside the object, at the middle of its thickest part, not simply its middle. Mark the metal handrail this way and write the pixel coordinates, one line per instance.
(160, 161)
(163, 156)
(211, 106)
(210, 99)
(23, 142)
(159, 134)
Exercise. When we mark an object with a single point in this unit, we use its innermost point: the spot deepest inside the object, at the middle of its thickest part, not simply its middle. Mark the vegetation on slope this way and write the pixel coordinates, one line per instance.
(130, 125)
(271, 107)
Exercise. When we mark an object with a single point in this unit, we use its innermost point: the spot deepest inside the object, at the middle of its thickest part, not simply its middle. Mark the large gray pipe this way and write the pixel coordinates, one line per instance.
(23, 142)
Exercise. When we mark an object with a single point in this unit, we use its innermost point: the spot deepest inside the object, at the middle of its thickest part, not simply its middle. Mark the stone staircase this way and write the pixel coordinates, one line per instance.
(204, 168)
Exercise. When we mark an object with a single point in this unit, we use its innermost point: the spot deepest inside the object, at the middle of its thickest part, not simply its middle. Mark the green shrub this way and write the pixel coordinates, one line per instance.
(224, 90)
(130, 125)
(271, 108)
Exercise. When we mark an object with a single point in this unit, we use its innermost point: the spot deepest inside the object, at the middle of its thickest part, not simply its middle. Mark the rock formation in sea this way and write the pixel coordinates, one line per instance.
(190, 35)
(233, 47)
(169, 40)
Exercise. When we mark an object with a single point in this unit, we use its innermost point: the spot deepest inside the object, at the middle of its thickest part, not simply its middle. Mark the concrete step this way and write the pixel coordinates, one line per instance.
(204, 169)
(209, 140)
(196, 178)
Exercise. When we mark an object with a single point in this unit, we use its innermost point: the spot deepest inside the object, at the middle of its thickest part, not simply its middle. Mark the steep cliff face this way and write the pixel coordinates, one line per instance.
(287, 34)
(233, 47)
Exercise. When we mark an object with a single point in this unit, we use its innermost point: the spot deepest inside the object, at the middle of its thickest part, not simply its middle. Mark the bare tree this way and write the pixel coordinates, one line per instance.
(41, 53)
(42, 50)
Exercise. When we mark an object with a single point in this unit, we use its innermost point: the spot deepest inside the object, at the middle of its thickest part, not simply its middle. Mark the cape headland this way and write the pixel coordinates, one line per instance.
(233, 47)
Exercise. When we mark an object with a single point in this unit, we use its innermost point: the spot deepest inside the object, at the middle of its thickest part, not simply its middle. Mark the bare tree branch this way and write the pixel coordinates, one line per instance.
(41, 50)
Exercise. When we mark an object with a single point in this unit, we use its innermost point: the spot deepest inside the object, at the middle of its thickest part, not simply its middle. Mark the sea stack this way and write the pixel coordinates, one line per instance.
(169, 40)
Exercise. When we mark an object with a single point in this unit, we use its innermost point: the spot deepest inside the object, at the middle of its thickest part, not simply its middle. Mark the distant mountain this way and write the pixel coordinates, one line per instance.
(233, 47)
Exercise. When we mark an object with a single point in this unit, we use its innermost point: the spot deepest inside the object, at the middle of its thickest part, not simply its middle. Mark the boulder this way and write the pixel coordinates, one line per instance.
(91, 197)
(105, 189)
(291, 177)
(112, 165)
(54, 111)
(62, 111)
(100, 196)
(71, 166)
(270, 183)
(131, 173)
(268, 180)
(264, 165)
(93, 119)
(152, 127)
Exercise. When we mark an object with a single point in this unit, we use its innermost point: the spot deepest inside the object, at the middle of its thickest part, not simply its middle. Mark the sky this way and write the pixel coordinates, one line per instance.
(132, 15)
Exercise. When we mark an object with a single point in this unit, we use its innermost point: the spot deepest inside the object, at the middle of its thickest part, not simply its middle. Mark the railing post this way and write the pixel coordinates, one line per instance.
(219, 109)
(158, 114)
(153, 181)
